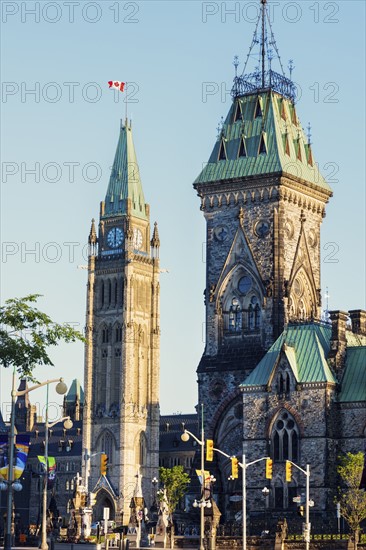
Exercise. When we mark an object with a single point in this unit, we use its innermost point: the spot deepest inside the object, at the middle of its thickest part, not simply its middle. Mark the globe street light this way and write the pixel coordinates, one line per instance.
(185, 437)
(265, 493)
(61, 388)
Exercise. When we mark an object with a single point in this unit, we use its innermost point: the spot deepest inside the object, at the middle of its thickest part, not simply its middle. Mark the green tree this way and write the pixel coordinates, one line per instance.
(26, 333)
(175, 482)
(352, 499)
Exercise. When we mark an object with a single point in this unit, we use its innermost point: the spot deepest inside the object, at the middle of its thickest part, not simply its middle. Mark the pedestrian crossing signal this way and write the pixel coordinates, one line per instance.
(269, 468)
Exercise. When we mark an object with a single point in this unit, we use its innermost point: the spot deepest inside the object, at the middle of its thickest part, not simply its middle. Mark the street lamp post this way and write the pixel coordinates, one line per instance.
(265, 493)
(67, 425)
(61, 388)
(308, 503)
(185, 437)
(154, 508)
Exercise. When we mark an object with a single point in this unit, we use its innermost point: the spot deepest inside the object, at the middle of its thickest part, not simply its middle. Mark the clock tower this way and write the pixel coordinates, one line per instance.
(263, 199)
(121, 412)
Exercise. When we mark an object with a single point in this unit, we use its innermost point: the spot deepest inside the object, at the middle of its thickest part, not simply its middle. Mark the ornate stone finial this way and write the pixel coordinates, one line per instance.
(291, 67)
(236, 64)
(129, 232)
(241, 216)
(155, 241)
(309, 133)
(93, 234)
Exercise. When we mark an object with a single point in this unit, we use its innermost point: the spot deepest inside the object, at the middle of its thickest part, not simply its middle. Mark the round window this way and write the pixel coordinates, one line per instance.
(245, 284)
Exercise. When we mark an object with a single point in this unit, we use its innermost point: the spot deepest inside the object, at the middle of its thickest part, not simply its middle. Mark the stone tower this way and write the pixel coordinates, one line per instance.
(121, 410)
(263, 199)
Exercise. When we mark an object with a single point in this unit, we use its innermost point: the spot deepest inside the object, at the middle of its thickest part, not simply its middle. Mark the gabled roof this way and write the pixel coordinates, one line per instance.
(280, 133)
(125, 182)
(354, 379)
(306, 347)
(75, 391)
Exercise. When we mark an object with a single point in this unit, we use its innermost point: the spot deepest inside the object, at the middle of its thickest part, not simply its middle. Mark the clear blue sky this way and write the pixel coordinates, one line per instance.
(168, 50)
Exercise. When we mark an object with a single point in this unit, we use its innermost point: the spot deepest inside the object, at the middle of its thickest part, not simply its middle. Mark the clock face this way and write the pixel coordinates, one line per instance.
(262, 228)
(245, 284)
(221, 233)
(115, 237)
(137, 239)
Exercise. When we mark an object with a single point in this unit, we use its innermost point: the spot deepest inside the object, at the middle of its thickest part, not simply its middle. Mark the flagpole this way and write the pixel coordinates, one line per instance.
(126, 102)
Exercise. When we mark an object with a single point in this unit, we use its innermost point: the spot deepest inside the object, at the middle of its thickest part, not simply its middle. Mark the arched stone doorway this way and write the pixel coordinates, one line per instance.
(104, 500)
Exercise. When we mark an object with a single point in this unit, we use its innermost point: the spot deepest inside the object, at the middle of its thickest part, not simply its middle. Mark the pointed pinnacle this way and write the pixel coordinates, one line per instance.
(155, 241)
(93, 234)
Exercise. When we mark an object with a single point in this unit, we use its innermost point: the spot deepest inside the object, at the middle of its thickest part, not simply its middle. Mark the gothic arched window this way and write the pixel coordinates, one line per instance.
(109, 292)
(250, 317)
(102, 293)
(285, 437)
(142, 449)
(257, 316)
(115, 293)
(105, 335)
(118, 333)
(235, 316)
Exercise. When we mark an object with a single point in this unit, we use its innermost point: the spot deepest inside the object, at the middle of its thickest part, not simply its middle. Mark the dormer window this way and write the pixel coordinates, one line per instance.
(222, 151)
(262, 150)
(242, 148)
(238, 114)
(258, 109)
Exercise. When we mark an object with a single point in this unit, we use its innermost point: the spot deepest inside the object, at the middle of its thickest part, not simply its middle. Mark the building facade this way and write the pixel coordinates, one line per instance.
(121, 413)
(264, 200)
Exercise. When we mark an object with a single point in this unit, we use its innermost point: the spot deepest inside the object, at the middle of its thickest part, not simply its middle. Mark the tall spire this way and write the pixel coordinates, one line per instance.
(263, 77)
(125, 194)
(263, 41)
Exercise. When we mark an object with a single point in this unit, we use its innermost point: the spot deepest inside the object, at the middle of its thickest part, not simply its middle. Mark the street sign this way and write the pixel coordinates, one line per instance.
(105, 513)
(297, 499)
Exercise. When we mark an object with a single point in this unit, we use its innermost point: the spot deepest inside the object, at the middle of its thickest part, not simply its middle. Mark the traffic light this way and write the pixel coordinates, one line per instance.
(235, 467)
(300, 510)
(103, 464)
(269, 467)
(288, 471)
(209, 450)
(92, 499)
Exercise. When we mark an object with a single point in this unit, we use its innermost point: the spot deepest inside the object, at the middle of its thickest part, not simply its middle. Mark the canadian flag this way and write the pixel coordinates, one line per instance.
(116, 84)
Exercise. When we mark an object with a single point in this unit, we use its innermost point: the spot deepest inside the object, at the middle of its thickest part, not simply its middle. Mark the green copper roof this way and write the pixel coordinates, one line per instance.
(75, 391)
(125, 182)
(274, 142)
(354, 379)
(306, 347)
